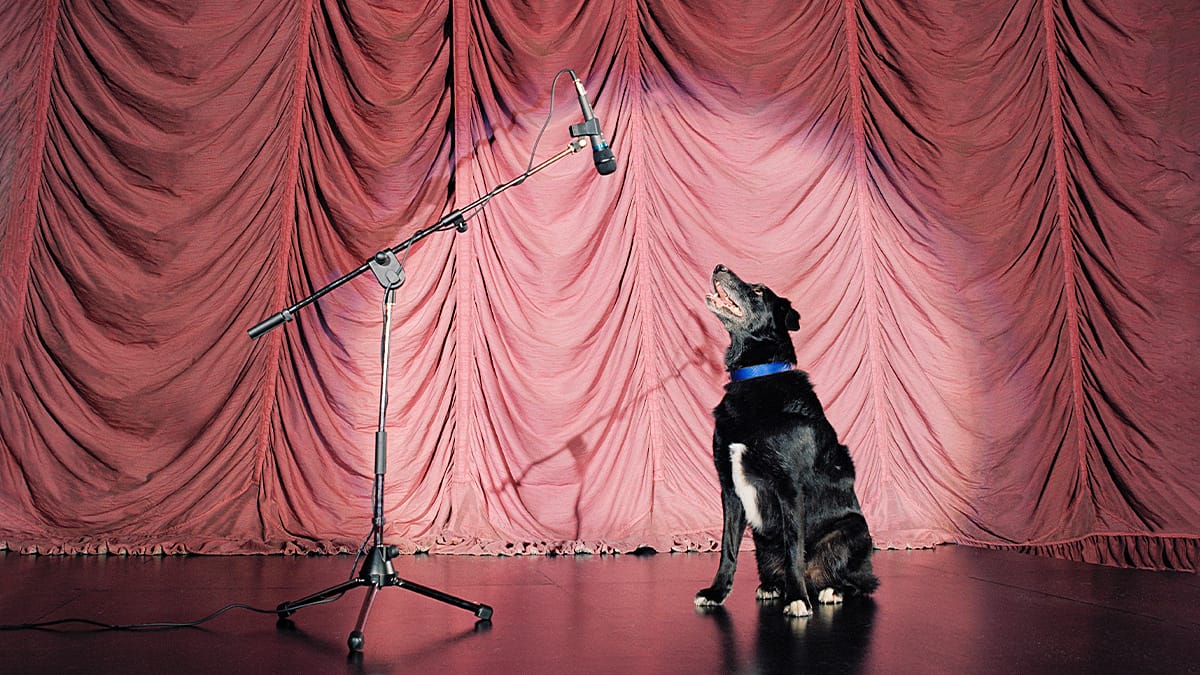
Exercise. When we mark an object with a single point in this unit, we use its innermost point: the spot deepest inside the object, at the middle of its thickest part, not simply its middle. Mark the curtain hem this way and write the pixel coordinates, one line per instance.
(677, 543)
(1178, 553)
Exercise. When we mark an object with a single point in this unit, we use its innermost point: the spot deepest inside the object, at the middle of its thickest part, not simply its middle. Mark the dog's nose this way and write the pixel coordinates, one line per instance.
(720, 268)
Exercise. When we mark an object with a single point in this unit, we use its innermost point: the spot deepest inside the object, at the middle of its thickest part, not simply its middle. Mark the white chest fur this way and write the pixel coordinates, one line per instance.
(744, 489)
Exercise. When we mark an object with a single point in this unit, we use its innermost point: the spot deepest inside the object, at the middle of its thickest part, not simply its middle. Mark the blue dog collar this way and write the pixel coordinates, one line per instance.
(758, 371)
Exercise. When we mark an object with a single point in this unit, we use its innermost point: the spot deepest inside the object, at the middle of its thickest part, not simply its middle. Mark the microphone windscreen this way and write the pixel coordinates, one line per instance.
(605, 162)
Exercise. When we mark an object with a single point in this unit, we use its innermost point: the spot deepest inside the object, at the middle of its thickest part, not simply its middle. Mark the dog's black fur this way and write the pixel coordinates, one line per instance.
(774, 447)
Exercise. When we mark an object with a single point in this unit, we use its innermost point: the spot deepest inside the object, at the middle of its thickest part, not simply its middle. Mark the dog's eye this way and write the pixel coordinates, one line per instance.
(758, 290)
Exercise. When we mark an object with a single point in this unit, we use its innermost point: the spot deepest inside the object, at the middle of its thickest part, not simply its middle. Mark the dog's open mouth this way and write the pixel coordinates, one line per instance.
(719, 300)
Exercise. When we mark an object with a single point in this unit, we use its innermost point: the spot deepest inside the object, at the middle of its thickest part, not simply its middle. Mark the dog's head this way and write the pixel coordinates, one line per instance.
(757, 319)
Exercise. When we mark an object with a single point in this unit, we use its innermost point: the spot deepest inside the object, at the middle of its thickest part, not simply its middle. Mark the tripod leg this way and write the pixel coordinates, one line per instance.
(356, 636)
(285, 609)
(482, 612)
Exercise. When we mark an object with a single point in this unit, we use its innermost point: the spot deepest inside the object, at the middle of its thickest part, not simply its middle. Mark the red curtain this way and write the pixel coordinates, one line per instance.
(986, 213)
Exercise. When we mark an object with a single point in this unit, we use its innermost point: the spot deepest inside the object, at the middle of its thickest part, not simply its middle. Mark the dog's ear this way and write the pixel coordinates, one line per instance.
(792, 320)
(785, 314)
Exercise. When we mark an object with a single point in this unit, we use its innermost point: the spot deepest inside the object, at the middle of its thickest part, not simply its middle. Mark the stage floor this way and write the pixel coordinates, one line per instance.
(948, 610)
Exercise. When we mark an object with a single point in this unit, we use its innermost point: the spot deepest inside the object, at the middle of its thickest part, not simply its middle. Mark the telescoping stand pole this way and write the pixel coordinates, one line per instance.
(377, 571)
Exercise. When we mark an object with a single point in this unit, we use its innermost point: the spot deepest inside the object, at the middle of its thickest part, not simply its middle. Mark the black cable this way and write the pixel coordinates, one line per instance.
(549, 114)
(532, 153)
(99, 626)
(362, 548)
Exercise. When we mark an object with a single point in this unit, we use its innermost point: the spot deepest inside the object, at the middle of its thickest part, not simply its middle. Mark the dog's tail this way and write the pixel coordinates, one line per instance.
(862, 579)
(841, 558)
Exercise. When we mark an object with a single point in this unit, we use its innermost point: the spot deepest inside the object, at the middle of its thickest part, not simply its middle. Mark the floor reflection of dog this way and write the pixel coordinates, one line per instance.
(781, 467)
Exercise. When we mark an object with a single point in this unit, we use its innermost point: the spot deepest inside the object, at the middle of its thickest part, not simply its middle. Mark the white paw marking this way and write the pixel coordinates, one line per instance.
(745, 491)
(702, 601)
(764, 594)
(828, 596)
(797, 608)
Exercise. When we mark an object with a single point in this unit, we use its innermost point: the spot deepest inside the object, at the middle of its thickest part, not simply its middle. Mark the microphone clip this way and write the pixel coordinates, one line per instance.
(589, 127)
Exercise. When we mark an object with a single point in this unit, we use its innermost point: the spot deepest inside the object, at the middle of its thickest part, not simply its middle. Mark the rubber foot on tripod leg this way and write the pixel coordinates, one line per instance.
(355, 642)
(484, 613)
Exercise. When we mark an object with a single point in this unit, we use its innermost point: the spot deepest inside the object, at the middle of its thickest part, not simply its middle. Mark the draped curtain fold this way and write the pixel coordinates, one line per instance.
(986, 213)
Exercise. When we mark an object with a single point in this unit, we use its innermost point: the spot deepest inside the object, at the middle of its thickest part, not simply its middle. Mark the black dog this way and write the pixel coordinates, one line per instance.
(781, 467)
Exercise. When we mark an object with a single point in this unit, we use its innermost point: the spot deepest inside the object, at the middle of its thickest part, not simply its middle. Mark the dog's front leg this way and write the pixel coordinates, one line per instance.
(795, 598)
(731, 540)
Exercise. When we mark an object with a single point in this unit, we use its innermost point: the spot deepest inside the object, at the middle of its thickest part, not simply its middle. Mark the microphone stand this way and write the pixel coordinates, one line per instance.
(377, 571)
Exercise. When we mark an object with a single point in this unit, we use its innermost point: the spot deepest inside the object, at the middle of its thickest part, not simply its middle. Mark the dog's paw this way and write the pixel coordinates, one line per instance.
(797, 608)
(710, 598)
(828, 596)
(767, 593)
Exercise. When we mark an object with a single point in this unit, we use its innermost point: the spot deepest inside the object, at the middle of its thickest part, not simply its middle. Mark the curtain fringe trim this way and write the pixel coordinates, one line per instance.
(1149, 552)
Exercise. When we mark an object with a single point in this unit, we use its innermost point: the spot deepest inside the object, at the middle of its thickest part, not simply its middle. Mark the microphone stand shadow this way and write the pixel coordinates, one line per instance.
(581, 452)
(377, 571)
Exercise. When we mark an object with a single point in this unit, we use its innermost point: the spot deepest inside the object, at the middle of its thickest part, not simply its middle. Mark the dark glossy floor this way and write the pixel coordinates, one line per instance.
(948, 610)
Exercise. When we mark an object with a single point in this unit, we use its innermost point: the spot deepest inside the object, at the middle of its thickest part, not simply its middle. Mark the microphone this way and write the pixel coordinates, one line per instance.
(602, 155)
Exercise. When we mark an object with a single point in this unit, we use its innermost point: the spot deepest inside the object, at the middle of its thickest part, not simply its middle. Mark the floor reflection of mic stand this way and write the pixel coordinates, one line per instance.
(377, 571)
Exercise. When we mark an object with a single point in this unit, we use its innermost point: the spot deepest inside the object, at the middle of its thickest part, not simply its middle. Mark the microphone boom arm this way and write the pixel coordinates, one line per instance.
(457, 218)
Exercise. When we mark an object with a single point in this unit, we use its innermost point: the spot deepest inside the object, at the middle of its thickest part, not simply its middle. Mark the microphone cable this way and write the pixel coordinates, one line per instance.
(100, 626)
(532, 153)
